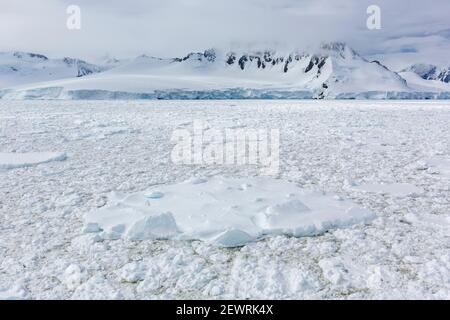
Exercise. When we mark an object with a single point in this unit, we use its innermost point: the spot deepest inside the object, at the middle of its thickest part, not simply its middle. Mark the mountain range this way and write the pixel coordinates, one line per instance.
(332, 71)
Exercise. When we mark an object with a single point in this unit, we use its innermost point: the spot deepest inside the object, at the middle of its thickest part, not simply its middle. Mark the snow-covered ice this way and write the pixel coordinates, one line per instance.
(332, 70)
(11, 160)
(47, 250)
(228, 212)
(16, 292)
(396, 189)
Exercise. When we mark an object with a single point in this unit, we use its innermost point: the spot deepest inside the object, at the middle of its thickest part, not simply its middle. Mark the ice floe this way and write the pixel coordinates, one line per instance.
(227, 212)
(395, 189)
(11, 160)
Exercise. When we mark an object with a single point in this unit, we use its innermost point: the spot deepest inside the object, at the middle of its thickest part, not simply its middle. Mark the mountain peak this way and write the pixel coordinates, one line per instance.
(430, 72)
(29, 55)
(334, 46)
(208, 55)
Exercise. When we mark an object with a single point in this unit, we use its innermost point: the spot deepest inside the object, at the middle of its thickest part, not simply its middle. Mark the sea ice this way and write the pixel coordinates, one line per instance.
(11, 160)
(222, 211)
(17, 292)
(395, 189)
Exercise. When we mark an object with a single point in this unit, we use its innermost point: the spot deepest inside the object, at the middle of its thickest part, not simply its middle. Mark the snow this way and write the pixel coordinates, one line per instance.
(327, 146)
(396, 189)
(17, 292)
(417, 83)
(438, 165)
(223, 211)
(21, 68)
(11, 160)
(73, 276)
(333, 71)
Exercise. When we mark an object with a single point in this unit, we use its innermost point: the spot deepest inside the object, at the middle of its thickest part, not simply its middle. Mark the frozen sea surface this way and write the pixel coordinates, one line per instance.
(391, 158)
(224, 211)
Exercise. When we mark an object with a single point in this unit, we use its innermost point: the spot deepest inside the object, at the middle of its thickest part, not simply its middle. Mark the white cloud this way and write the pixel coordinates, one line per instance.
(174, 27)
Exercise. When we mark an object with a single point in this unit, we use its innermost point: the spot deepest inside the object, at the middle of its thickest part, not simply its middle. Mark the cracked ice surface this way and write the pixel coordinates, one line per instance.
(390, 157)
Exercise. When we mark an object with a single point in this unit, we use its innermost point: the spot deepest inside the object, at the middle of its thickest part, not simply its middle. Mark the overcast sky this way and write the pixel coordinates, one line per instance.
(125, 28)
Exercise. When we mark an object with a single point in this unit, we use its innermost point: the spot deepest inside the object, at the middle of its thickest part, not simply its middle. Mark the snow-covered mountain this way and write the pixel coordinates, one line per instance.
(332, 71)
(423, 77)
(430, 72)
(18, 68)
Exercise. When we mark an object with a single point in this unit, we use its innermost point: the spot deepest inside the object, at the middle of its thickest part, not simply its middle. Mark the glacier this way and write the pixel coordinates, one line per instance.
(332, 71)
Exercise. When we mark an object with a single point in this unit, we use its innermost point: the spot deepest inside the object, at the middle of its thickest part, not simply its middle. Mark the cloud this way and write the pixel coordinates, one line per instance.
(174, 27)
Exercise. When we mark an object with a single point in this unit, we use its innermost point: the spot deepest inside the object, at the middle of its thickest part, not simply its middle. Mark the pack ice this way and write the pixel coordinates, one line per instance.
(11, 160)
(227, 212)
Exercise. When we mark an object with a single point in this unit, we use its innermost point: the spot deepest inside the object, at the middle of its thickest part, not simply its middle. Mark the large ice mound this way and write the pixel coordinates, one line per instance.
(228, 212)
